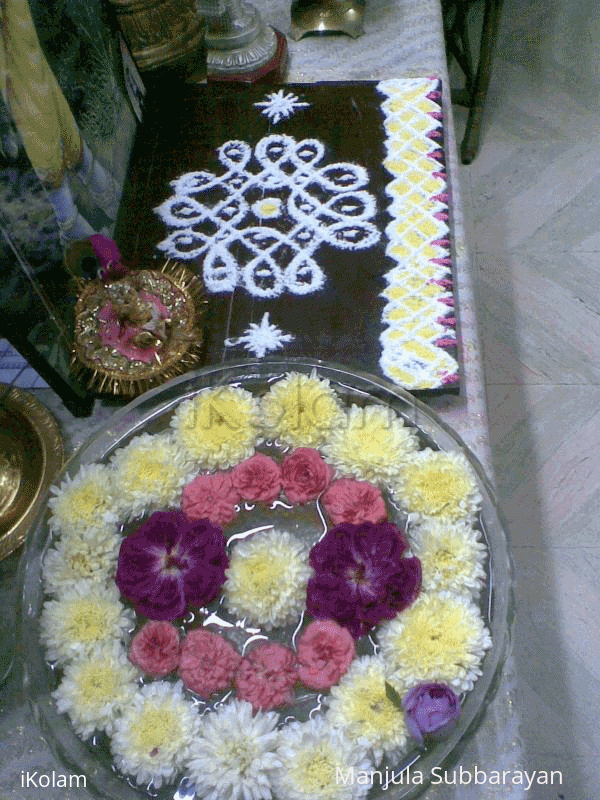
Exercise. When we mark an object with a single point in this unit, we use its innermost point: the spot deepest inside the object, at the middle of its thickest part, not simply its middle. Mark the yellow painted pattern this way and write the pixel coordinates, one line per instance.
(413, 302)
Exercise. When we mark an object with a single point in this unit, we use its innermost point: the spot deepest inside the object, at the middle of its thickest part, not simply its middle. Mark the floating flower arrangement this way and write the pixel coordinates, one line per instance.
(272, 590)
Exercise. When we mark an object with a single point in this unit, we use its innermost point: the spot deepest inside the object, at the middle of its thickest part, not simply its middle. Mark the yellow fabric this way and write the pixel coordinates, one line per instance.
(34, 98)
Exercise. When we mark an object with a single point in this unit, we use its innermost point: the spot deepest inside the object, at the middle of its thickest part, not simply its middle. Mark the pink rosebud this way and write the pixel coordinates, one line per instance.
(304, 475)
(266, 676)
(155, 648)
(431, 708)
(208, 662)
(325, 651)
(211, 497)
(351, 501)
(257, 478)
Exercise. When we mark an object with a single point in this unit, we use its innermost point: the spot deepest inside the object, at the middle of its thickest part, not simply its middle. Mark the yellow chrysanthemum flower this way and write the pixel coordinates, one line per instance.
(84, 617)
(360, 706)
(152, 738)
(300, 410)
(149, 473)
(372, 443)
(440, 637)
(451, 556)
(84, 503)
(94, 690)
(438, 484)
(266, 579)
(79, 557)
(313, 754)
(218, 428)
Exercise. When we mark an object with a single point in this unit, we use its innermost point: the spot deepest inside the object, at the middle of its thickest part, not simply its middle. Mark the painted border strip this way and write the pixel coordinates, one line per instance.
(418, 316)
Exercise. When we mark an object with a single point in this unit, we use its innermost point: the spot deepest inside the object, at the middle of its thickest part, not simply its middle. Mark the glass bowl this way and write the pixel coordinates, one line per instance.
(151, 413)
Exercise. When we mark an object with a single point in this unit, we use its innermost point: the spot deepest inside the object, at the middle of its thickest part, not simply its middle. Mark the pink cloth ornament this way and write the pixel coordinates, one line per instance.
(211, 497)
(304, 475)
(325, 651)
(155, 648)
(351, 501)
(258, 478)
(121, 337)
(266, 676)
(109, 256)
(208, 663)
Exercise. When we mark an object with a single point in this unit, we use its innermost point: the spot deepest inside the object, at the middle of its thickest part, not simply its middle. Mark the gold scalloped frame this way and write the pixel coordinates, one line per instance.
(29, 424)
(107, 372)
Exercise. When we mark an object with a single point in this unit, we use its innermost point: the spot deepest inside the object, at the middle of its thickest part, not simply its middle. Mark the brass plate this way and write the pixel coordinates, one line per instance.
(31, 454)
(106, 370)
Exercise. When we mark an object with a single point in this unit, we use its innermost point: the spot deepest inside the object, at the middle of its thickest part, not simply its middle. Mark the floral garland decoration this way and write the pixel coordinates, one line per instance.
(134, 639)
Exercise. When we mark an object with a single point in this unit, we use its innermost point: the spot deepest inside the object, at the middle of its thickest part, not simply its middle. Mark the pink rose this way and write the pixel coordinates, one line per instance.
(266, 676)
(211, 497)
(354, 502)
(325, 651)
(155, 648)
(257, 478)
(208, 662)
(304, 475)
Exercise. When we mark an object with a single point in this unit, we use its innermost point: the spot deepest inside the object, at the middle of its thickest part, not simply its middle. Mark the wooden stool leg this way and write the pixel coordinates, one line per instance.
(491, 23)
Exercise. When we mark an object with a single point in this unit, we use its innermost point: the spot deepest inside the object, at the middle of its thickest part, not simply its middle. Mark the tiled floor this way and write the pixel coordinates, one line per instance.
(532, 205)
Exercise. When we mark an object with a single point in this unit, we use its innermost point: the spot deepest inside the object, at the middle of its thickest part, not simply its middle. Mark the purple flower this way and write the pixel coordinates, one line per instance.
(170, 562)
(361, 576)
(431, 708)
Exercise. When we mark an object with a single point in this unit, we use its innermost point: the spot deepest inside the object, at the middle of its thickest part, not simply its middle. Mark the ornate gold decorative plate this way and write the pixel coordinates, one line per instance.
(139, 356)
(31, 454)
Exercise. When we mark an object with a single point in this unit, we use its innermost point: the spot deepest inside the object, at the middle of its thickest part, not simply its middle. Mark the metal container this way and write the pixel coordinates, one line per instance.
(163, 33)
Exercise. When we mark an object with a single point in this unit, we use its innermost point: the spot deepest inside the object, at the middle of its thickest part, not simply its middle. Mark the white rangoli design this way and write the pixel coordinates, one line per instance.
(280, 105)
(259, 224)
(261, 339)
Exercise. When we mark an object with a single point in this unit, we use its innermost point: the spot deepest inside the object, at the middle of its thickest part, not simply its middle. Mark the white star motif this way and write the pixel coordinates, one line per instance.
(260, 339)
(280, 105)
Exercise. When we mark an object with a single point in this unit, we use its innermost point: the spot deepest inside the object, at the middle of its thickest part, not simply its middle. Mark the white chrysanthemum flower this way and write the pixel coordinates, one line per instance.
(85, 616)
(85, 503)
(360, 706)
(441, 637)
(219, 427)
(81, 556)
(95, 689)
(314, 756)
(371, 444)
(234, 755)
(266, 579)
(150, 473)
(151, 739)
(301, 410)
(438, 484)
(451, 555)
